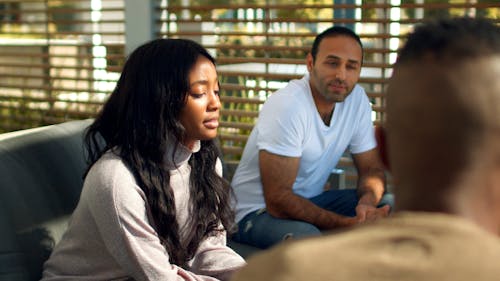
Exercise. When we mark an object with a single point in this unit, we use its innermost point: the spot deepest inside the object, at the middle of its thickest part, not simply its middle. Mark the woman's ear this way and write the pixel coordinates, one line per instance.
(382, 145)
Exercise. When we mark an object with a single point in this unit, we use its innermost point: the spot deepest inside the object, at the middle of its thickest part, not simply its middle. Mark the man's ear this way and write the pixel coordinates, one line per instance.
(309, 62)
(382, 145)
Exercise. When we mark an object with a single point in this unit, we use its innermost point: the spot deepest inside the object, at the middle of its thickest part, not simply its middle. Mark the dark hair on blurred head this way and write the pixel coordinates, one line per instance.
(141, 119)
(332, 32)
(449, 38)
(442, 103)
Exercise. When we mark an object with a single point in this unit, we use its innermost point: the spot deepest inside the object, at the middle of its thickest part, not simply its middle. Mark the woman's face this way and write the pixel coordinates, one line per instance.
(200, 115)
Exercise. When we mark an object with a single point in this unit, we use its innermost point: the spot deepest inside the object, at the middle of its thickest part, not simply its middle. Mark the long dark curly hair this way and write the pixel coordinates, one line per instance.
(140, 119)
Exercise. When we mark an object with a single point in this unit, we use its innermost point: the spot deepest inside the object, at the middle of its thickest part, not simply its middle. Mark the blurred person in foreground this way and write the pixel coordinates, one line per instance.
(443, 147)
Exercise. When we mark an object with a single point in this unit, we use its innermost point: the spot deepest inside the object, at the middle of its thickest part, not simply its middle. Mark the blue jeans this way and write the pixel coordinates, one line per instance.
(262, 230)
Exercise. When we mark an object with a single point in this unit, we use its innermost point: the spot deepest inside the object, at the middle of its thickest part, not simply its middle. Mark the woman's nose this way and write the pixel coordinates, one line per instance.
(214, 102)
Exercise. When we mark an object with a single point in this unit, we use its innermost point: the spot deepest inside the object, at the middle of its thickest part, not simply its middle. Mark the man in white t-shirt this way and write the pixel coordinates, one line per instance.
(443, 109)
(302, 131)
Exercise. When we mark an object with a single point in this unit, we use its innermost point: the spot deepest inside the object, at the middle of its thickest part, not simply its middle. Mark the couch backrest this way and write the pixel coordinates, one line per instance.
(41, 176)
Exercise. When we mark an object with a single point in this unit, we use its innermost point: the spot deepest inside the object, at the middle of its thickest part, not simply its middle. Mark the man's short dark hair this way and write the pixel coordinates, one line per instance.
(332, 32)
(451, 38)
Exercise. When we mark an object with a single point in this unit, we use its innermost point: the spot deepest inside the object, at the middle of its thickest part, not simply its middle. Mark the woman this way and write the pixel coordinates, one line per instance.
(153, 205)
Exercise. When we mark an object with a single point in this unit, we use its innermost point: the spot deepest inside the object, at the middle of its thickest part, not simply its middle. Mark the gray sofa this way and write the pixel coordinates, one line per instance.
(41, 176)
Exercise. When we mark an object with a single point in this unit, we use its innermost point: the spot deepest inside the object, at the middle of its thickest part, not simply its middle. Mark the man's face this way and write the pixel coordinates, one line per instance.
(336, 69)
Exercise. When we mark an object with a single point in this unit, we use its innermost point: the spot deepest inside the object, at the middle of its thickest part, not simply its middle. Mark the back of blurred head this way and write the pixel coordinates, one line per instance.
(443, 120)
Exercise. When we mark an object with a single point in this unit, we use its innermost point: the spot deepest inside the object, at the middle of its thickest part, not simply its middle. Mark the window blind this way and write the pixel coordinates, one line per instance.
(58, 59)
(261, 45)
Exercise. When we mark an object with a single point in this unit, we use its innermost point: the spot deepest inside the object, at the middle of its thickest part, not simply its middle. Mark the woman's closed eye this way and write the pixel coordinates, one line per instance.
(197, 95)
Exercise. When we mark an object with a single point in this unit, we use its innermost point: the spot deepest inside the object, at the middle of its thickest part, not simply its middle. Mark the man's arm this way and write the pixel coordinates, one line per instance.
(371, 183)
(278, 174)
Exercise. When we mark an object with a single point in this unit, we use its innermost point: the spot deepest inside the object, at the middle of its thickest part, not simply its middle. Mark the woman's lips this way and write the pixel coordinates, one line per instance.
(211, 123)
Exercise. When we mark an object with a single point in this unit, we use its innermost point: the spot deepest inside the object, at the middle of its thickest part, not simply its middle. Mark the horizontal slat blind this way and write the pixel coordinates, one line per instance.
(58, 59)
(259, 47)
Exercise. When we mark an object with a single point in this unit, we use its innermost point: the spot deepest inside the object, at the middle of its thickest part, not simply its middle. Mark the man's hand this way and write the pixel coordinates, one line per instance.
(371, 186)
(368, 213)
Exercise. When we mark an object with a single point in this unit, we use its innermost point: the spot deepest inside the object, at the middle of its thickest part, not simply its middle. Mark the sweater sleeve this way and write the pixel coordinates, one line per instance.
(118, 207)
(215, 258)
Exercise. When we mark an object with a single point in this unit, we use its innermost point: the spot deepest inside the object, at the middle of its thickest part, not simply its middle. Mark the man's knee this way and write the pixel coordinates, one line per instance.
(286, 230)
(263, 230)
(301, 229)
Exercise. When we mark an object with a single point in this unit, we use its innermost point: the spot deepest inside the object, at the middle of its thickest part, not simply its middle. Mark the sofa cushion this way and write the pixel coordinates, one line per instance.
(41, 176)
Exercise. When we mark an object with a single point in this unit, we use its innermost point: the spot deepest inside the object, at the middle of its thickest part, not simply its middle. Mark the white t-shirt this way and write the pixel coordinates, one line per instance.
(290, 125)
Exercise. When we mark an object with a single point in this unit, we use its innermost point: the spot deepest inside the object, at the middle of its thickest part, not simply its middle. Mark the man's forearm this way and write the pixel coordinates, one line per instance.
(292, 206)
(371, 187)
(278, 175)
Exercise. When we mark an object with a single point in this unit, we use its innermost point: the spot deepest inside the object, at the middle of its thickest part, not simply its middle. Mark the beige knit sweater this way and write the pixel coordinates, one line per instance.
(406, 247)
